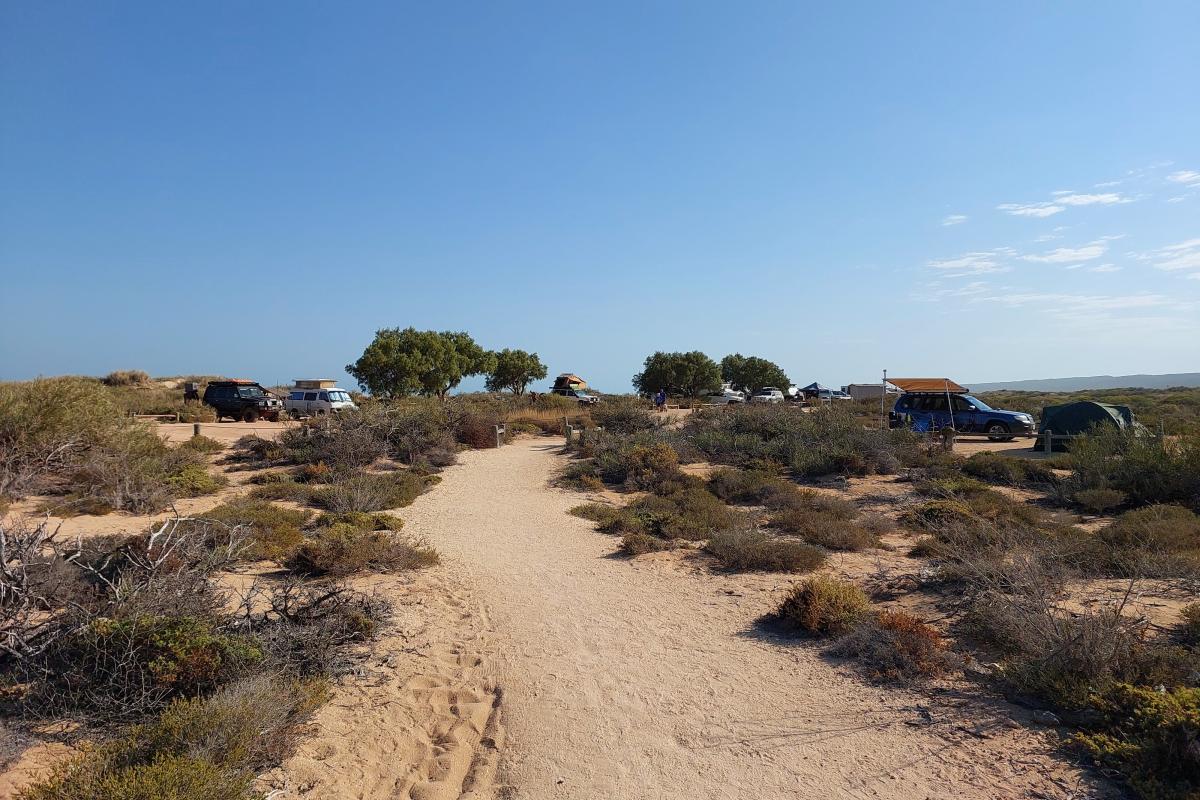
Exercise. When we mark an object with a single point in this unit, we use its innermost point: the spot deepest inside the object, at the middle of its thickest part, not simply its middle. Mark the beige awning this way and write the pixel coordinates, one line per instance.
(928, 385)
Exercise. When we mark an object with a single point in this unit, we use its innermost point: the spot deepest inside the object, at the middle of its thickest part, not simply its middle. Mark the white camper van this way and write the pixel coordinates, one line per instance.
(310, 398)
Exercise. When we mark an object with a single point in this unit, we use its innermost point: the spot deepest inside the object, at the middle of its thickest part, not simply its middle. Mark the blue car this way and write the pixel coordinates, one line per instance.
(932, 411)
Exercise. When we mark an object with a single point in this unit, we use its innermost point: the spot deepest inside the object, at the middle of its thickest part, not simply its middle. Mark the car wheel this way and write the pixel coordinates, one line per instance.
(250, 416)
(997, 432)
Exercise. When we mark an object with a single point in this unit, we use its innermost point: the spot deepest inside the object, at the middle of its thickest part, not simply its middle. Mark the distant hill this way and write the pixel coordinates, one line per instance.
(1185, 379)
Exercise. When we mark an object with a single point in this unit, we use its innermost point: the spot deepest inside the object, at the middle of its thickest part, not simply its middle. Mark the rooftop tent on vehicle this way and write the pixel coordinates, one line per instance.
(569, 381)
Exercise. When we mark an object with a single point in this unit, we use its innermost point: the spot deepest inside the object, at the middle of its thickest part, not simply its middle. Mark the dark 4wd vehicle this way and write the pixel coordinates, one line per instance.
(932, 411)
(244, 400)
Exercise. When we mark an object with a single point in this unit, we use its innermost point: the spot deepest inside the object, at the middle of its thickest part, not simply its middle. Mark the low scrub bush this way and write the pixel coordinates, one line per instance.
(828, 441)
(343, 549)
(368, 492)
(896, 646)
(623, 415)
(756, 487)
(127, 666)
(206, 749)
(1148, 736)
(126, 377)
(194, 480)
(1098, 501)
(1145, 469)
(636, 544)
(273, 530)
(282, 487)
(692, 514)
(647, 467)
(361, 520)
(751, 550)
(823, 606)
(203, 444)
(596, 512)
(306, 626)
(1157, 541)
(1009, 471)
(824, 520)
(1189, 624)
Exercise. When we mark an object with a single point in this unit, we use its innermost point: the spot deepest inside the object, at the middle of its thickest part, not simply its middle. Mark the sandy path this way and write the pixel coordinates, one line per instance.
(648, 680)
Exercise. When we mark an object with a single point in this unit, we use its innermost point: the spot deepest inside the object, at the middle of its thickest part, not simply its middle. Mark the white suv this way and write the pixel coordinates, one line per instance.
(767, 394)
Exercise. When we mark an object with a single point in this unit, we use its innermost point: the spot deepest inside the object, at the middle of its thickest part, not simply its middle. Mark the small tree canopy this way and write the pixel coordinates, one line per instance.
(403, 362)
(690, 374)
(751, 373)
(515, 370)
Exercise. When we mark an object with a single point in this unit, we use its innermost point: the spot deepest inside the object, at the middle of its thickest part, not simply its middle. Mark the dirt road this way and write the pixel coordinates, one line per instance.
(648, 680)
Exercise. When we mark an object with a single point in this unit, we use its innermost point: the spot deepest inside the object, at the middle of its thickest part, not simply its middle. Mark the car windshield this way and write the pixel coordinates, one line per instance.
(251, 391)
(339, 397)
(979, 404)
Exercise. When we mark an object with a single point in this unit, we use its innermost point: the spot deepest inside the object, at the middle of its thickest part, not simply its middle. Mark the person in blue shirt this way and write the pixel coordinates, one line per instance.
(660, 400)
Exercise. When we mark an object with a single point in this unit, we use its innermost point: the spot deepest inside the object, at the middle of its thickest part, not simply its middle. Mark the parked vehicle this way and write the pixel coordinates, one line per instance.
(244, 400)
(726, 396)
(970, 415)
(832, 394)
(577, 394)
(317, 398)
(767, 394)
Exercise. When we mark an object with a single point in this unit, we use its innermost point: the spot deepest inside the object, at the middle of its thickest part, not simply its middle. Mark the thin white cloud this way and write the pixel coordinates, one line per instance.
(1187, 177)
(1106, 184)
(1182, 256)
(1038, 210)
(1104, 268)
(978, 263)
(1106, 199)
(1066, 255)
(954, 219)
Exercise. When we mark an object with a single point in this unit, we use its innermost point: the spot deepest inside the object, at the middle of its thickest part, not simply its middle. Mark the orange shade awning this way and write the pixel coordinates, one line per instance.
(928, 385)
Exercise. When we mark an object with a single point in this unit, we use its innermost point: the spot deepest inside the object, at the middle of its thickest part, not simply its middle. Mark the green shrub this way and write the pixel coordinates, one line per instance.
(1009, 471)
(596, 512)
(1157, 541)
(361, 520)
(124, 666)
(751, 550)
(203, 444)
(196, 750)
(1099, 500)
(636, 544)
(828, 441)
(824, 520)
(760, 487)
(623, 414)
(1147, 470)
(823, 606)
(896, 646)
(274, 530)
(951, 486)
(194, 480)
(1150, 737)
(646, 467)
(286, 488)
(344, 550)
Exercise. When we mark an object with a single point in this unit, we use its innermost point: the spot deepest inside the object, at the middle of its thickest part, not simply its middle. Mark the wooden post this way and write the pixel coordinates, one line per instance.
(1049, 447)
(499, 435)
(196, 429)
(567, 431)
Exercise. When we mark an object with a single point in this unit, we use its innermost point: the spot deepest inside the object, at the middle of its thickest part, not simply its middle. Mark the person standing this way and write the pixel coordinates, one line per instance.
(660, 400)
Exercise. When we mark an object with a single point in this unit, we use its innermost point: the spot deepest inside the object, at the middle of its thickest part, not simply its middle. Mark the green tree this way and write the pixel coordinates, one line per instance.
(403, 362)
(515, 370)
(751, 373)
(690, 374)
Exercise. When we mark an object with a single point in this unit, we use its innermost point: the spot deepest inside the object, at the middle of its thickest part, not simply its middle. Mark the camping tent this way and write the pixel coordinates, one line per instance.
(1080, 417)
(812, 389)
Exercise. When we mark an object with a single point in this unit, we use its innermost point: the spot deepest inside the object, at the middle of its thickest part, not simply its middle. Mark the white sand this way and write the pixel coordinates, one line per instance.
(641, 679)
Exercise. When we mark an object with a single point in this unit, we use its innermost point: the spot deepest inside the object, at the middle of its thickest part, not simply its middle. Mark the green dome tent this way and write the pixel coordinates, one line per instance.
(1076, 418)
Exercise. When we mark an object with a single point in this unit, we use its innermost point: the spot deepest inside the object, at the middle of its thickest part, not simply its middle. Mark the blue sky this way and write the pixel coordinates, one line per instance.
(985, 191)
